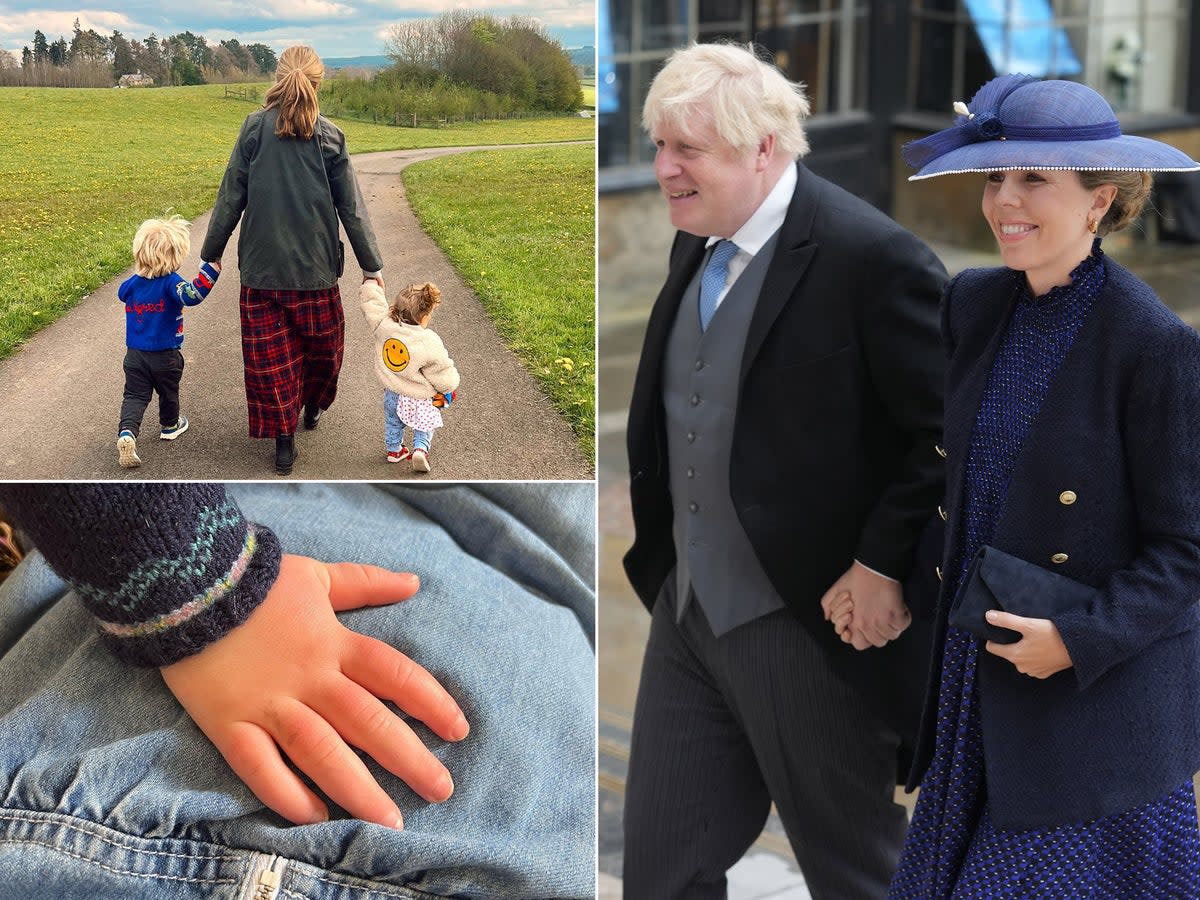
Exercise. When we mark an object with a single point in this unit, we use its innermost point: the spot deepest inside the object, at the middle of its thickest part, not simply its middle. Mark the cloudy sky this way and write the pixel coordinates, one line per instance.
(332, 27)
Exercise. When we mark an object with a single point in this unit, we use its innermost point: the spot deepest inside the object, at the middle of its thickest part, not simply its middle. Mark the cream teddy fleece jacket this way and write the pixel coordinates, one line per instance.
(409, 359)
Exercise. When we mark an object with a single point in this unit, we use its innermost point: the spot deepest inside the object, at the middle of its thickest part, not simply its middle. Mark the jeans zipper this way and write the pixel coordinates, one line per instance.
(265, 877)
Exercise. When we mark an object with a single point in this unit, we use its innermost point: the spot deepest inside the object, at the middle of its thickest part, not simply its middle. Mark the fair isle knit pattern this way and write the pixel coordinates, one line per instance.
(197, 605)
(953, 850)
(214, 523)
(166, 569)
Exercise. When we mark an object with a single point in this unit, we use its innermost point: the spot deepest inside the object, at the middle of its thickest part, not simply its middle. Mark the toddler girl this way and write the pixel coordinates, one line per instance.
(417, 374)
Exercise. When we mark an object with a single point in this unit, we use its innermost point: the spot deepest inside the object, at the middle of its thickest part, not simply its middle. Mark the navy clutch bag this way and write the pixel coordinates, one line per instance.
(997, 580)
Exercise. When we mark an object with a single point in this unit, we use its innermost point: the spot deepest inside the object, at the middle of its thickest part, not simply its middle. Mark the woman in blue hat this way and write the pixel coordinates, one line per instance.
(1060, 765)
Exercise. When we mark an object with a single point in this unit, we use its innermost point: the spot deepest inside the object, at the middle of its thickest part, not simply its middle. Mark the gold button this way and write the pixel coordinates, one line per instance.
(1066, 498)
(940, 451)
(938, 569)
(1059, 558)
(942, 513)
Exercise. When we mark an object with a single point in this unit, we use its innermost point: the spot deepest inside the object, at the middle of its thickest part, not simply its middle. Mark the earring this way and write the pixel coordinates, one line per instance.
(1093, 224)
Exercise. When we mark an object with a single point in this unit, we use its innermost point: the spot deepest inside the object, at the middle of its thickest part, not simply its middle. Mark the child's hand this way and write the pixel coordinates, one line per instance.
(216, 264)
(293, 675)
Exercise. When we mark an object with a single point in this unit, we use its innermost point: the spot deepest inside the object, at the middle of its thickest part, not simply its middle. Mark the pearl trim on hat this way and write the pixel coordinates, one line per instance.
(1052, 169)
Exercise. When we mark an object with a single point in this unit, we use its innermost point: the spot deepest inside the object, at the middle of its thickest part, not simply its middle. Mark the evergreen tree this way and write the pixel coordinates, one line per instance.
(241, 55)
(26, 58)
(151, 60)
(184, 71)
(264, 58)
(41, 50)
(123, 62)
(58, 53)
(86, 45)
(196, 48)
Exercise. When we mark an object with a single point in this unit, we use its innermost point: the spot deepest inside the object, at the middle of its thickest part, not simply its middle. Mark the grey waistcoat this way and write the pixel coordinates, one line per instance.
(700, 392)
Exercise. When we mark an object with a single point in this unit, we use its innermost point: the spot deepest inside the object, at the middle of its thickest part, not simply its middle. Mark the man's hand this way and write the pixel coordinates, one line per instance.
(293, 676)
(1039, 653)
(866, 609)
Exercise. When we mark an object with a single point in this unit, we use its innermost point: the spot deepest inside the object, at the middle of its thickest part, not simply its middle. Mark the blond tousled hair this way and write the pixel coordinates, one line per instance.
(415, 302)
(744, 97)
(160, 246)
(297, 78)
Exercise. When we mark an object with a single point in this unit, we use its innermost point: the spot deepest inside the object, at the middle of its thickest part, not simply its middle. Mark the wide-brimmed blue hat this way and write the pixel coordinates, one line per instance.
(1019, 122)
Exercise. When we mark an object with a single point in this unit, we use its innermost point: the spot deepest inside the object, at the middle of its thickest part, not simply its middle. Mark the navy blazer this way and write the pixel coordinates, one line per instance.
(1106, 491)
(839, 410)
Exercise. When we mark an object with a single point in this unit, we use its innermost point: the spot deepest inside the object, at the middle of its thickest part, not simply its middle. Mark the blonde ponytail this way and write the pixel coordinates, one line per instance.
(297, 78)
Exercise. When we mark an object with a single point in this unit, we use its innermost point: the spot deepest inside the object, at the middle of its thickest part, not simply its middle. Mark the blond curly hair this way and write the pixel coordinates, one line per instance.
(160, 246)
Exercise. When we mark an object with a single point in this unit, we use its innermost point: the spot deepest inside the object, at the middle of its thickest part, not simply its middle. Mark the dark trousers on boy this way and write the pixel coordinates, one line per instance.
(148, 372)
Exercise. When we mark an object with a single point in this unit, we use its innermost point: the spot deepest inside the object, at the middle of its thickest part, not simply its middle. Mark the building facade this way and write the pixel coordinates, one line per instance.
(881, 72)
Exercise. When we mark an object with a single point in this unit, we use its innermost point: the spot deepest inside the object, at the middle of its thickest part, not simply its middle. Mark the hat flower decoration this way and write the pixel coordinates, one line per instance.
(1021, 122)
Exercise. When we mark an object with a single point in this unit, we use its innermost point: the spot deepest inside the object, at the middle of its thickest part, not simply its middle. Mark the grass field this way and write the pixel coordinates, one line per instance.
(80, 168)
(519, 225)
(589, 91)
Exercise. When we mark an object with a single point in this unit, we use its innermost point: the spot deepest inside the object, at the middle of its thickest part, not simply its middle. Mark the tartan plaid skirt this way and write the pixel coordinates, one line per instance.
(292, 344)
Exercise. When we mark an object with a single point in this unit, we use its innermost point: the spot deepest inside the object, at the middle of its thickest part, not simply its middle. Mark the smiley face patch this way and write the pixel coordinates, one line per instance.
(395, 355)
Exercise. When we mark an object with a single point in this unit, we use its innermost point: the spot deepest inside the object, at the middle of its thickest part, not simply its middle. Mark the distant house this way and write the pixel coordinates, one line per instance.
(136, 80)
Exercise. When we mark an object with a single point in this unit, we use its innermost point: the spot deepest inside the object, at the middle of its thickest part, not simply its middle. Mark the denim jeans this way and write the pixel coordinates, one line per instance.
(393, 426)
(108, 790)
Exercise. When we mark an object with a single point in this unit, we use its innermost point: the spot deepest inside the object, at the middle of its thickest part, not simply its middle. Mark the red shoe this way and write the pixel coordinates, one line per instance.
(398, 455)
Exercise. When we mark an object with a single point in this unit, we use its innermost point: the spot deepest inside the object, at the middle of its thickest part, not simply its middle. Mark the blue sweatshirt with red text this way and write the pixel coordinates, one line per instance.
(154, 307)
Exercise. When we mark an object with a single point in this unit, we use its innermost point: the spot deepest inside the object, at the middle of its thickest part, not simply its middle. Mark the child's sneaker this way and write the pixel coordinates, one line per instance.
(127, 451)
(174, 431)
(398, 455)
(420, 460)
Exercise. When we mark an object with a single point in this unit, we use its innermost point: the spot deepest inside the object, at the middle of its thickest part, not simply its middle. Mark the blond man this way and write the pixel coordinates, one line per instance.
(782, 438)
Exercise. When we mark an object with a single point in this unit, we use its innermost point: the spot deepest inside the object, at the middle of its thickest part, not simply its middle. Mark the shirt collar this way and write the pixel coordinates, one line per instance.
(767, 219)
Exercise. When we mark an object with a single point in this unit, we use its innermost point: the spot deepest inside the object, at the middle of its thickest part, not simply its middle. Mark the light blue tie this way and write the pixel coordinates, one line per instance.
(712, 282)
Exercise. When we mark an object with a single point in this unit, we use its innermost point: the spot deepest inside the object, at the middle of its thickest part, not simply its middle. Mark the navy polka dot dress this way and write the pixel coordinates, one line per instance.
(953, 851)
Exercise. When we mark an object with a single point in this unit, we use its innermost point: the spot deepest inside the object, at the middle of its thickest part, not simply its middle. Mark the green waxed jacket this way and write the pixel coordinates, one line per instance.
(290, 194)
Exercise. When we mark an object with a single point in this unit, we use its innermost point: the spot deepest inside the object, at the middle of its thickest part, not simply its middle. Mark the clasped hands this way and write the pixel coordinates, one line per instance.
(292, 678)
(865, 608)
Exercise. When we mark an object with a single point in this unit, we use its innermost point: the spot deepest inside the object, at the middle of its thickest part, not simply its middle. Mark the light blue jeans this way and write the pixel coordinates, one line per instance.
(393, 426)
(108, 790)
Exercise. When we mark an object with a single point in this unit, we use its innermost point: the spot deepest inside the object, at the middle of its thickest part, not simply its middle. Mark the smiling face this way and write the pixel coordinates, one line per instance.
(711, 187)
(1040, 220)
(395, 355)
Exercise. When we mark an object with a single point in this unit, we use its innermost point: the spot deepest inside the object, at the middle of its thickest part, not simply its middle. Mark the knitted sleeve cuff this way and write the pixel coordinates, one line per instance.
(165, 569)
(207, 616)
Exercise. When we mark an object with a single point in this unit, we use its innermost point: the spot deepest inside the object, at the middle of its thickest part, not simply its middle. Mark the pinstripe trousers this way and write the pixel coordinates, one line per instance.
(723, 727)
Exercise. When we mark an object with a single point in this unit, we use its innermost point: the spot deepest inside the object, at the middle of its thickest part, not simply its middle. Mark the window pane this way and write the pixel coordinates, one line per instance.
(799, 55)
(621, 19)
(664, 25)
(1135, 53)
(614, 126)
(1023, 36)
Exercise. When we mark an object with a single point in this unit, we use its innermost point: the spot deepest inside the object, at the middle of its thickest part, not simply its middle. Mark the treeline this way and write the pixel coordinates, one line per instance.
(461, 65)
(95, 60)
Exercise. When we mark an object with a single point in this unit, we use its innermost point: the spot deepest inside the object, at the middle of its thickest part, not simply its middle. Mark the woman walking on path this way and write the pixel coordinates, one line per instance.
(289, 179)
(1057, 757)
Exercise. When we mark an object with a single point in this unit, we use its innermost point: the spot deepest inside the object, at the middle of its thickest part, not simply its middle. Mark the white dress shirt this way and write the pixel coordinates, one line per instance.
(758, 229)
